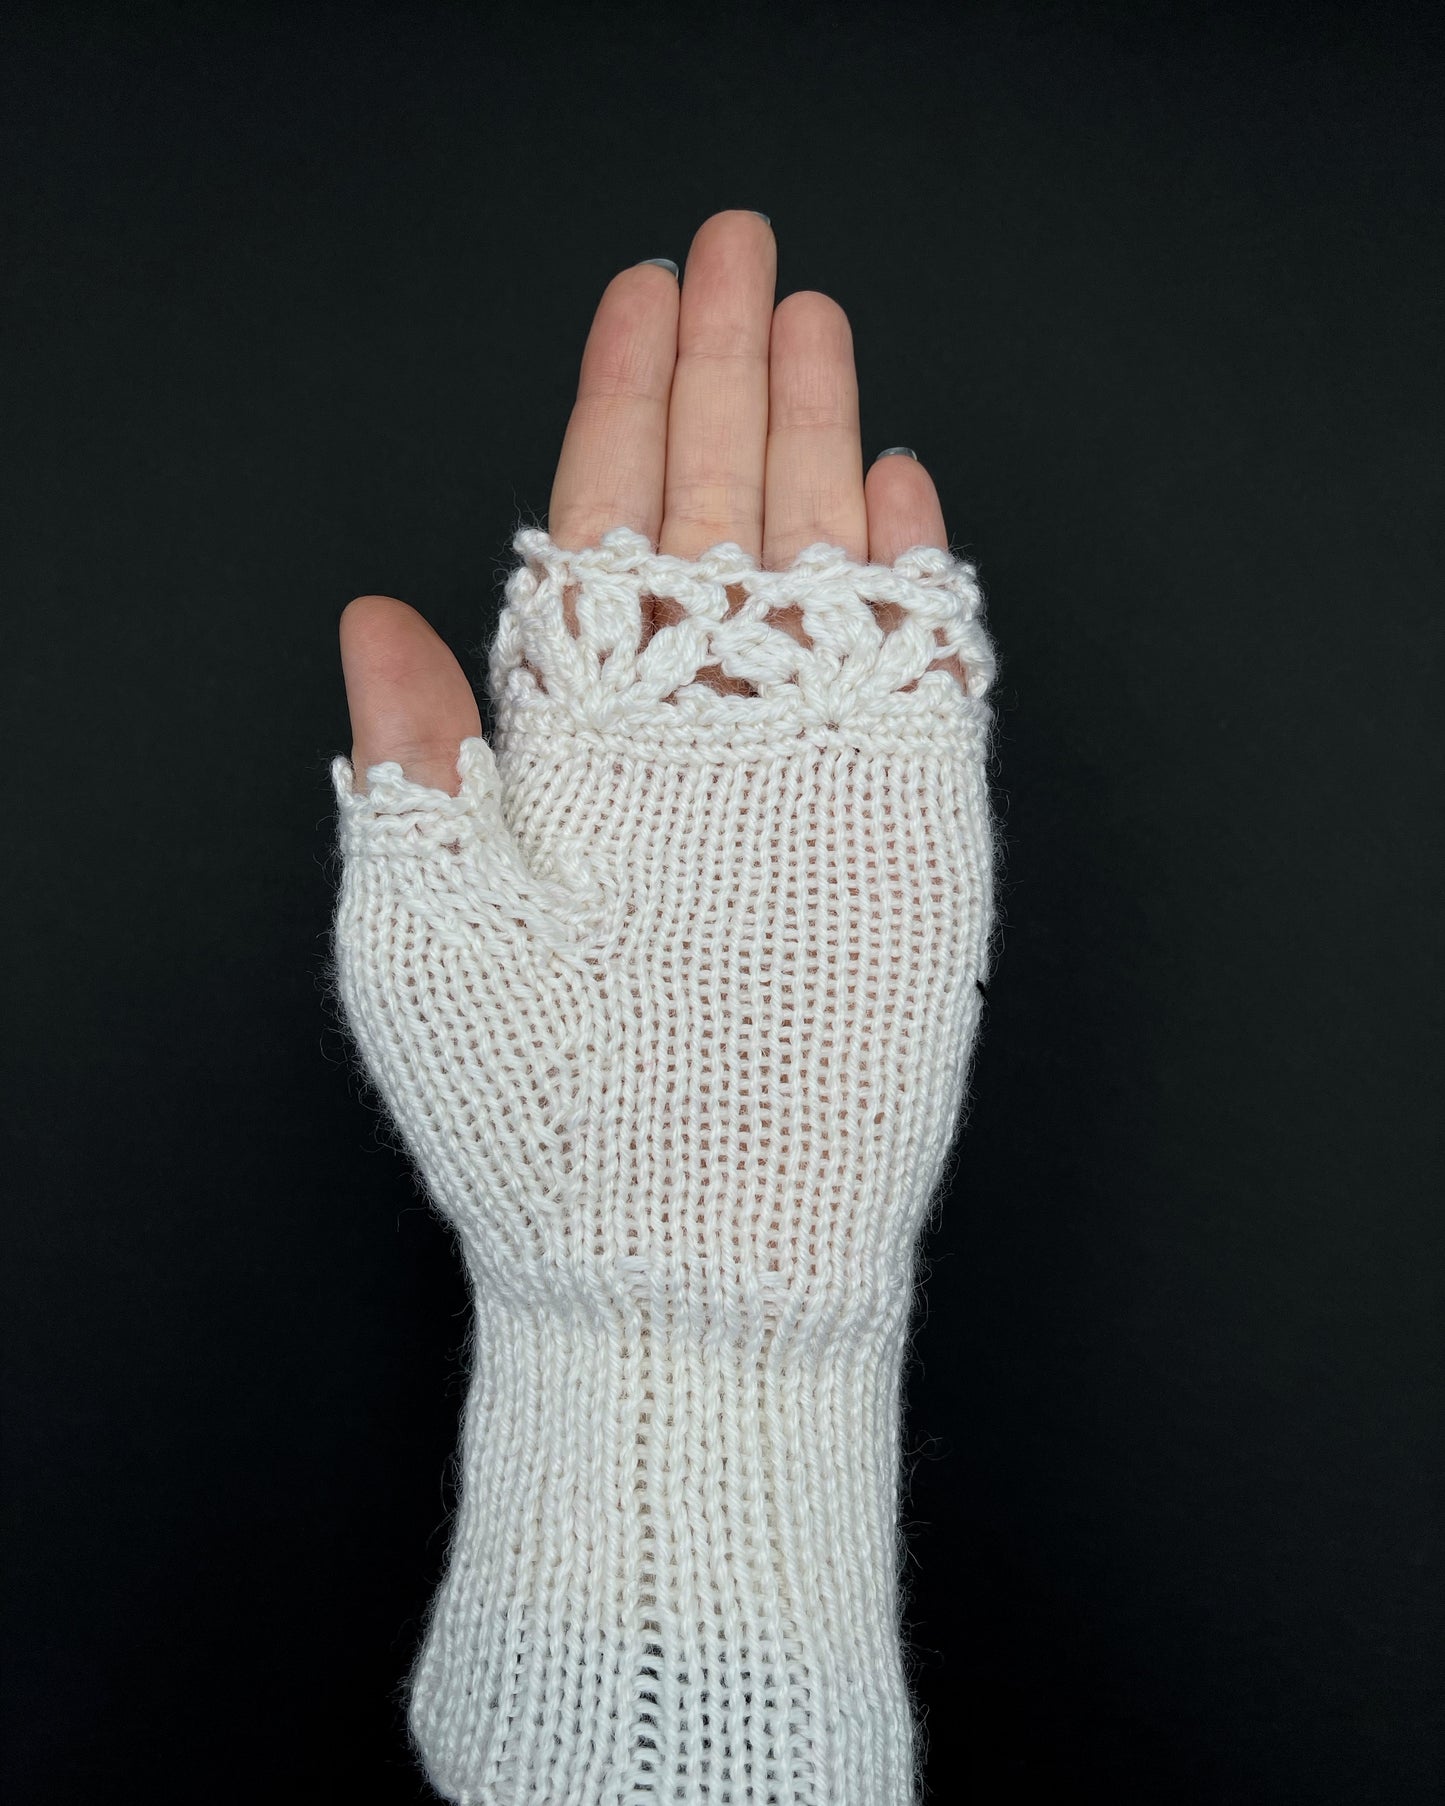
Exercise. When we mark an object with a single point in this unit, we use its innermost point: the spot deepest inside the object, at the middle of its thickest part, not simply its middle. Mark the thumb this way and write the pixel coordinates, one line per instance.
(410, 700)
(416, 733)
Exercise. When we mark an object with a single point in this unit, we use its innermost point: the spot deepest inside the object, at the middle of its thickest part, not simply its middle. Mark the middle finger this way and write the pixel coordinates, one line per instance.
(717, 431)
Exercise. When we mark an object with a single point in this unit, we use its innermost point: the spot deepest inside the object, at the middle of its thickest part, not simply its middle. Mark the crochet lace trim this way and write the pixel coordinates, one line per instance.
(718, 610)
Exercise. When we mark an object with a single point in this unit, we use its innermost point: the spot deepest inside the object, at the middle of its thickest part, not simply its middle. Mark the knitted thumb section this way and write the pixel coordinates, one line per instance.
(674, 1004)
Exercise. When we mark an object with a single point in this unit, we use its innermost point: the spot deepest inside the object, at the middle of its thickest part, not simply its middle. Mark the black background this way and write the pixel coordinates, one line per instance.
(297, 296)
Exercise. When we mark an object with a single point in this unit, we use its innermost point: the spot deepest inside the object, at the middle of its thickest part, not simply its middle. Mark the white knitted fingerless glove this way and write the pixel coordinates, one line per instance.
(673, 1005)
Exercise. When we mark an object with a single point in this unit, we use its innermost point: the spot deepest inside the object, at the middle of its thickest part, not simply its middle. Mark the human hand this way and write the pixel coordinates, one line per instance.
(673, 998)
(704, 414)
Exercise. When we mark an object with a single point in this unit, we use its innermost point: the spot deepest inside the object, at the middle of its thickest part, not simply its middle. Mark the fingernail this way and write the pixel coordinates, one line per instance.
(763, 217)
(898, 451)
(663, 263)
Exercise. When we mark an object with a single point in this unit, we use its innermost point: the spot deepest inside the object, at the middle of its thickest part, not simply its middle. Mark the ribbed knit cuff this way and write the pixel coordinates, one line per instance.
(675, 1570)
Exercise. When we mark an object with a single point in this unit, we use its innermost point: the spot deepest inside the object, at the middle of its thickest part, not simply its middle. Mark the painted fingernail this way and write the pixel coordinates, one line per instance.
(763, 217)
(898, 451)
(663, 263)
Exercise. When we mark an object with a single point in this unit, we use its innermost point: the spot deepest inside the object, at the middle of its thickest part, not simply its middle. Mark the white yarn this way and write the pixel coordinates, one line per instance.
(674, 1004)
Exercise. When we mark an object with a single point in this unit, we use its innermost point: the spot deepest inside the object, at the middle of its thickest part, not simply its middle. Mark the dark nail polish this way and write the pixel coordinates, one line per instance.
(763, 217)
(663, 263)
(898, 451)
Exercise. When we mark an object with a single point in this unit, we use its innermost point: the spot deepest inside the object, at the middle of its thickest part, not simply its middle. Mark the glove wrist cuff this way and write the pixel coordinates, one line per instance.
(673, 1560)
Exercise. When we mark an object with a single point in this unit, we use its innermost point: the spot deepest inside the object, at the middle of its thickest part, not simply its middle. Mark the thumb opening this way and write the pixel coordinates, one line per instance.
(410, 701)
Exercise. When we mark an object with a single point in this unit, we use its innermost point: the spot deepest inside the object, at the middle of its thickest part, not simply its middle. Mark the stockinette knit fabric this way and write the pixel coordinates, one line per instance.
(673, 1006)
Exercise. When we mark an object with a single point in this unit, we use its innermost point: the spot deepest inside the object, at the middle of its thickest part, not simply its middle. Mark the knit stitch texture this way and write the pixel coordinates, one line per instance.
(673, 1005)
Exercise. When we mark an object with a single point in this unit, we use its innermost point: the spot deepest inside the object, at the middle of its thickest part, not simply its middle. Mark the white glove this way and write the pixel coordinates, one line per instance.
(673, 1005)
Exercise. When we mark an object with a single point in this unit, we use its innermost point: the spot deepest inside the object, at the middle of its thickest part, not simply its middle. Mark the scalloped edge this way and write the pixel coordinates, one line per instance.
(532, 638)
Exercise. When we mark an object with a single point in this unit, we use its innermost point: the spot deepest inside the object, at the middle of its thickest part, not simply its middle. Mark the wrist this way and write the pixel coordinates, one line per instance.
(699, 1536)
